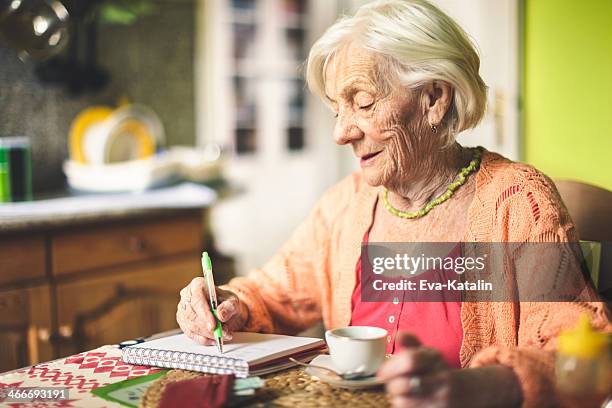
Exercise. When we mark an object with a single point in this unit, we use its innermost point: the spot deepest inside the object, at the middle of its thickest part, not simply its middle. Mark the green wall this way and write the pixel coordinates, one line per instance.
(568, 89)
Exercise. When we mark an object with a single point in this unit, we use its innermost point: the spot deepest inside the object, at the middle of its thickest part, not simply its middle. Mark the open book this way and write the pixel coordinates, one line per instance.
(246, 354)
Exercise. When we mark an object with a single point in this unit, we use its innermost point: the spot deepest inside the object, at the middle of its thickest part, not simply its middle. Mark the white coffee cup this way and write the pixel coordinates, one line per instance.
(357, 348)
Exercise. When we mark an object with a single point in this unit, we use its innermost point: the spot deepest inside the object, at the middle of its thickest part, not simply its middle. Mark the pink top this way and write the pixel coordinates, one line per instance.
(435, 324)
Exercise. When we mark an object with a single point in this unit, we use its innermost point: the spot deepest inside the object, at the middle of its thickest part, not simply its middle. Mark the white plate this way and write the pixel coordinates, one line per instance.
(325, 361)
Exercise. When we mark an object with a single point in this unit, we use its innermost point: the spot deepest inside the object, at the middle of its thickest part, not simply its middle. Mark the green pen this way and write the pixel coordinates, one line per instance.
(212, 297)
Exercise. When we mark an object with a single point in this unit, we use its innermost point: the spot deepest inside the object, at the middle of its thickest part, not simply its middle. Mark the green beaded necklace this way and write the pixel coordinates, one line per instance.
(460, 180)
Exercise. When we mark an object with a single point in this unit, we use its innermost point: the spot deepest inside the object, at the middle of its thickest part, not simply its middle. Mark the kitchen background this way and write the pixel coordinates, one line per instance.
(228, 74)
(149, 61)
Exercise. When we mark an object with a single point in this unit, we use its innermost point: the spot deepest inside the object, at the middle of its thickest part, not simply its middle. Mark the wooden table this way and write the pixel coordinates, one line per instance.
(86, 371)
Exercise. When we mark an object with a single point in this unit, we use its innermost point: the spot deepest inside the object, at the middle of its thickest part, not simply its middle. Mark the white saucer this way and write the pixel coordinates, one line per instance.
(325, 361)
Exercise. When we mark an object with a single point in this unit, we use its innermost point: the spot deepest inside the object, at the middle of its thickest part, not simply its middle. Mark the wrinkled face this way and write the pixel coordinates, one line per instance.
(379, 121)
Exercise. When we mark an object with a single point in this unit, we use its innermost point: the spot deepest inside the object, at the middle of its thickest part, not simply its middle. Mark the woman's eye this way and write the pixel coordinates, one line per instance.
(336, 115)
(363, 100)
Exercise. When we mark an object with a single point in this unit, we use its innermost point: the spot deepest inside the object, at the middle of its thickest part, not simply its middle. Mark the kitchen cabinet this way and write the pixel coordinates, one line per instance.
(25, 326)
(22, 258)
(70, 288)
(133, 301)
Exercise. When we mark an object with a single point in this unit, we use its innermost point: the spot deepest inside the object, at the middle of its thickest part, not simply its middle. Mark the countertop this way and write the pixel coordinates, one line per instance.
(79, 209)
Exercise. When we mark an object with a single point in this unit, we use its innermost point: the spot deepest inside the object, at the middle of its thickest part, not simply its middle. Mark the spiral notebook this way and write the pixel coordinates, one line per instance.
(247, 353)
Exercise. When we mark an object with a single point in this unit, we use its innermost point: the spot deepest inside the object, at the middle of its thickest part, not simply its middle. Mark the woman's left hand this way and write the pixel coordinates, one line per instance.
(418, 376)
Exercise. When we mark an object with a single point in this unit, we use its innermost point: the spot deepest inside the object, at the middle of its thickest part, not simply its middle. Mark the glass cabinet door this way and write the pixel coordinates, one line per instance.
(268, 46)
(276, 136)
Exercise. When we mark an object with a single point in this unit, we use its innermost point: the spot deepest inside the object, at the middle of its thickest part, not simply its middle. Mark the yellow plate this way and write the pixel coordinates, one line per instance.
(140, 134)
(79, 127)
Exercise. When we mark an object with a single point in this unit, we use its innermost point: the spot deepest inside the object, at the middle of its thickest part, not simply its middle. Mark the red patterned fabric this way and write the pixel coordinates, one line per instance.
(80, 373)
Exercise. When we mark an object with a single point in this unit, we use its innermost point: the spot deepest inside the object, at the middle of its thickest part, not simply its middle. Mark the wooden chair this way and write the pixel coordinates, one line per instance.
(591, 209)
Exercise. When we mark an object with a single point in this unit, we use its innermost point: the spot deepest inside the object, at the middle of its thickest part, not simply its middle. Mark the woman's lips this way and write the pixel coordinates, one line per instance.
(367, 159)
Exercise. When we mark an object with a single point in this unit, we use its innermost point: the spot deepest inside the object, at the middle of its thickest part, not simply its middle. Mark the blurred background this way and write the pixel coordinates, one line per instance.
(91, 90)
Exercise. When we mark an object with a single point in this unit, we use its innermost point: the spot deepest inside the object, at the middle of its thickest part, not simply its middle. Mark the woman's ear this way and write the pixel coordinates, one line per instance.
(437, 95)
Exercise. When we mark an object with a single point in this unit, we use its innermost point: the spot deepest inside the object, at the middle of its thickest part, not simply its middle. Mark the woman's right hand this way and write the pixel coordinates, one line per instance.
(195, 318)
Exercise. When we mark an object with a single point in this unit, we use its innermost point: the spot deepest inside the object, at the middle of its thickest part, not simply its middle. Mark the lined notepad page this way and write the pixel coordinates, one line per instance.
(253, 348)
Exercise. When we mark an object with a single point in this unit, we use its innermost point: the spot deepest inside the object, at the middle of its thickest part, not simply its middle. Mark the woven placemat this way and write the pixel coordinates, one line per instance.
(289, 388)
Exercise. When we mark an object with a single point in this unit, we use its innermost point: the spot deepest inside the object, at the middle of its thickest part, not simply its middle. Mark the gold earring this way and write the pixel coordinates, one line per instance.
(434, 129)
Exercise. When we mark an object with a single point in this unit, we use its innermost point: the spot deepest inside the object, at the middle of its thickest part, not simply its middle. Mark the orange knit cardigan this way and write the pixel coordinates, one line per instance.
(313, 275)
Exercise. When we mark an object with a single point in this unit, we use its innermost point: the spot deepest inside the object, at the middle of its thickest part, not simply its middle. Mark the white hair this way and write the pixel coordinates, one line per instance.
(420, 43)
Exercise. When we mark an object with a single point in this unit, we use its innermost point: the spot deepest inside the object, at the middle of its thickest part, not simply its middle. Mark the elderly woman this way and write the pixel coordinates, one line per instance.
(402, 80)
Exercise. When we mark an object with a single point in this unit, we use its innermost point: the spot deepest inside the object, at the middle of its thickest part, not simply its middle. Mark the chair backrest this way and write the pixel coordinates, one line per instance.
(590, 207)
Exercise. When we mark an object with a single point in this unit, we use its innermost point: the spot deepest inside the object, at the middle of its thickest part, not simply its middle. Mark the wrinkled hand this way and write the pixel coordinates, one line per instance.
(195, 318)
(489, 386)
(417, 376)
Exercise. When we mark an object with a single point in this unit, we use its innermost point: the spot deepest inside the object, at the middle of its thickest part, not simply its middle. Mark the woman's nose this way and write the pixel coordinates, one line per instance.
(346, 131)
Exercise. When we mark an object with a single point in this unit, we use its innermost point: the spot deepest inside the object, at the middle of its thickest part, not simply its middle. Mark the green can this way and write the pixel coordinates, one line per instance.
(5, 181)
(15, 169)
